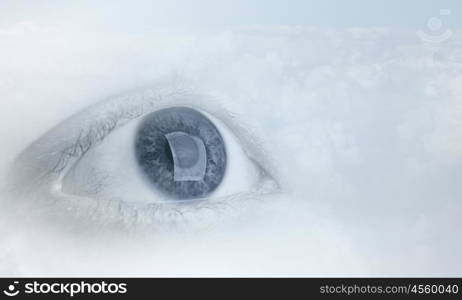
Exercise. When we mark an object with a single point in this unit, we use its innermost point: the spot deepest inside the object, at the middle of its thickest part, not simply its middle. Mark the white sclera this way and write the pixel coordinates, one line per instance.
(110, 170)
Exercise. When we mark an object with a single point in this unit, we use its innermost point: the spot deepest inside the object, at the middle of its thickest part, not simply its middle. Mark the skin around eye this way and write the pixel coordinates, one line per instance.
(88, 162)
(167, 150)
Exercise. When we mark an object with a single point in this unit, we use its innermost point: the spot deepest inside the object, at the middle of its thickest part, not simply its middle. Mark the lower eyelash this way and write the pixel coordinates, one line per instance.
(122, 216)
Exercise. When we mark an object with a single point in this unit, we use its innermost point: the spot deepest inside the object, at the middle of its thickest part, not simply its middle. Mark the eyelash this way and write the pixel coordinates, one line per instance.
(98, 131)
(129, 217)
(84, 142)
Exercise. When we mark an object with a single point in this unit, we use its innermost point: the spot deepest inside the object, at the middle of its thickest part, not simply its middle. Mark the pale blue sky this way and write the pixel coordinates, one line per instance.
(138, 15)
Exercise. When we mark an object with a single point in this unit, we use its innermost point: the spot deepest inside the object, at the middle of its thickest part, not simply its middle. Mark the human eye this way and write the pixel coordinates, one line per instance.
(158, 157)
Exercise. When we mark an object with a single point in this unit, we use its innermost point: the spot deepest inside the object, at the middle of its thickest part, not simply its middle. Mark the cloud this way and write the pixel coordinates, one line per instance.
(364, 125)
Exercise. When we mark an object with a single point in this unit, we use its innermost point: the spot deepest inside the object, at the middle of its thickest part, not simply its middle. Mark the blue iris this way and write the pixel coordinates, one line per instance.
(181, 152)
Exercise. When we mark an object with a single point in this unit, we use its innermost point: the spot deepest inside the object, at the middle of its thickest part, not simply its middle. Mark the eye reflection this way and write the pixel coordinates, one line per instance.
(181, 152)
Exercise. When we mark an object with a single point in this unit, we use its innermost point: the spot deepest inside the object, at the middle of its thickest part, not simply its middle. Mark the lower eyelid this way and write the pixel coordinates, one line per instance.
(71, 212)
(74, 213)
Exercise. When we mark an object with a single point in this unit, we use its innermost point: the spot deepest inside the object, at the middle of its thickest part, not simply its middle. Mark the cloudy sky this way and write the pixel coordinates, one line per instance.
(358, 103)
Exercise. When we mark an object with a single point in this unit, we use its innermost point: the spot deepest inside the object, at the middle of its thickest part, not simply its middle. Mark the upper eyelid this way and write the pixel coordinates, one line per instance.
(48, 157)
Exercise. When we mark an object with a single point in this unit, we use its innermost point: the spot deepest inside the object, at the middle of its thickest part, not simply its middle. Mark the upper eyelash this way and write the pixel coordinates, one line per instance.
(109, 114)
(83, 143)
(121, 114)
